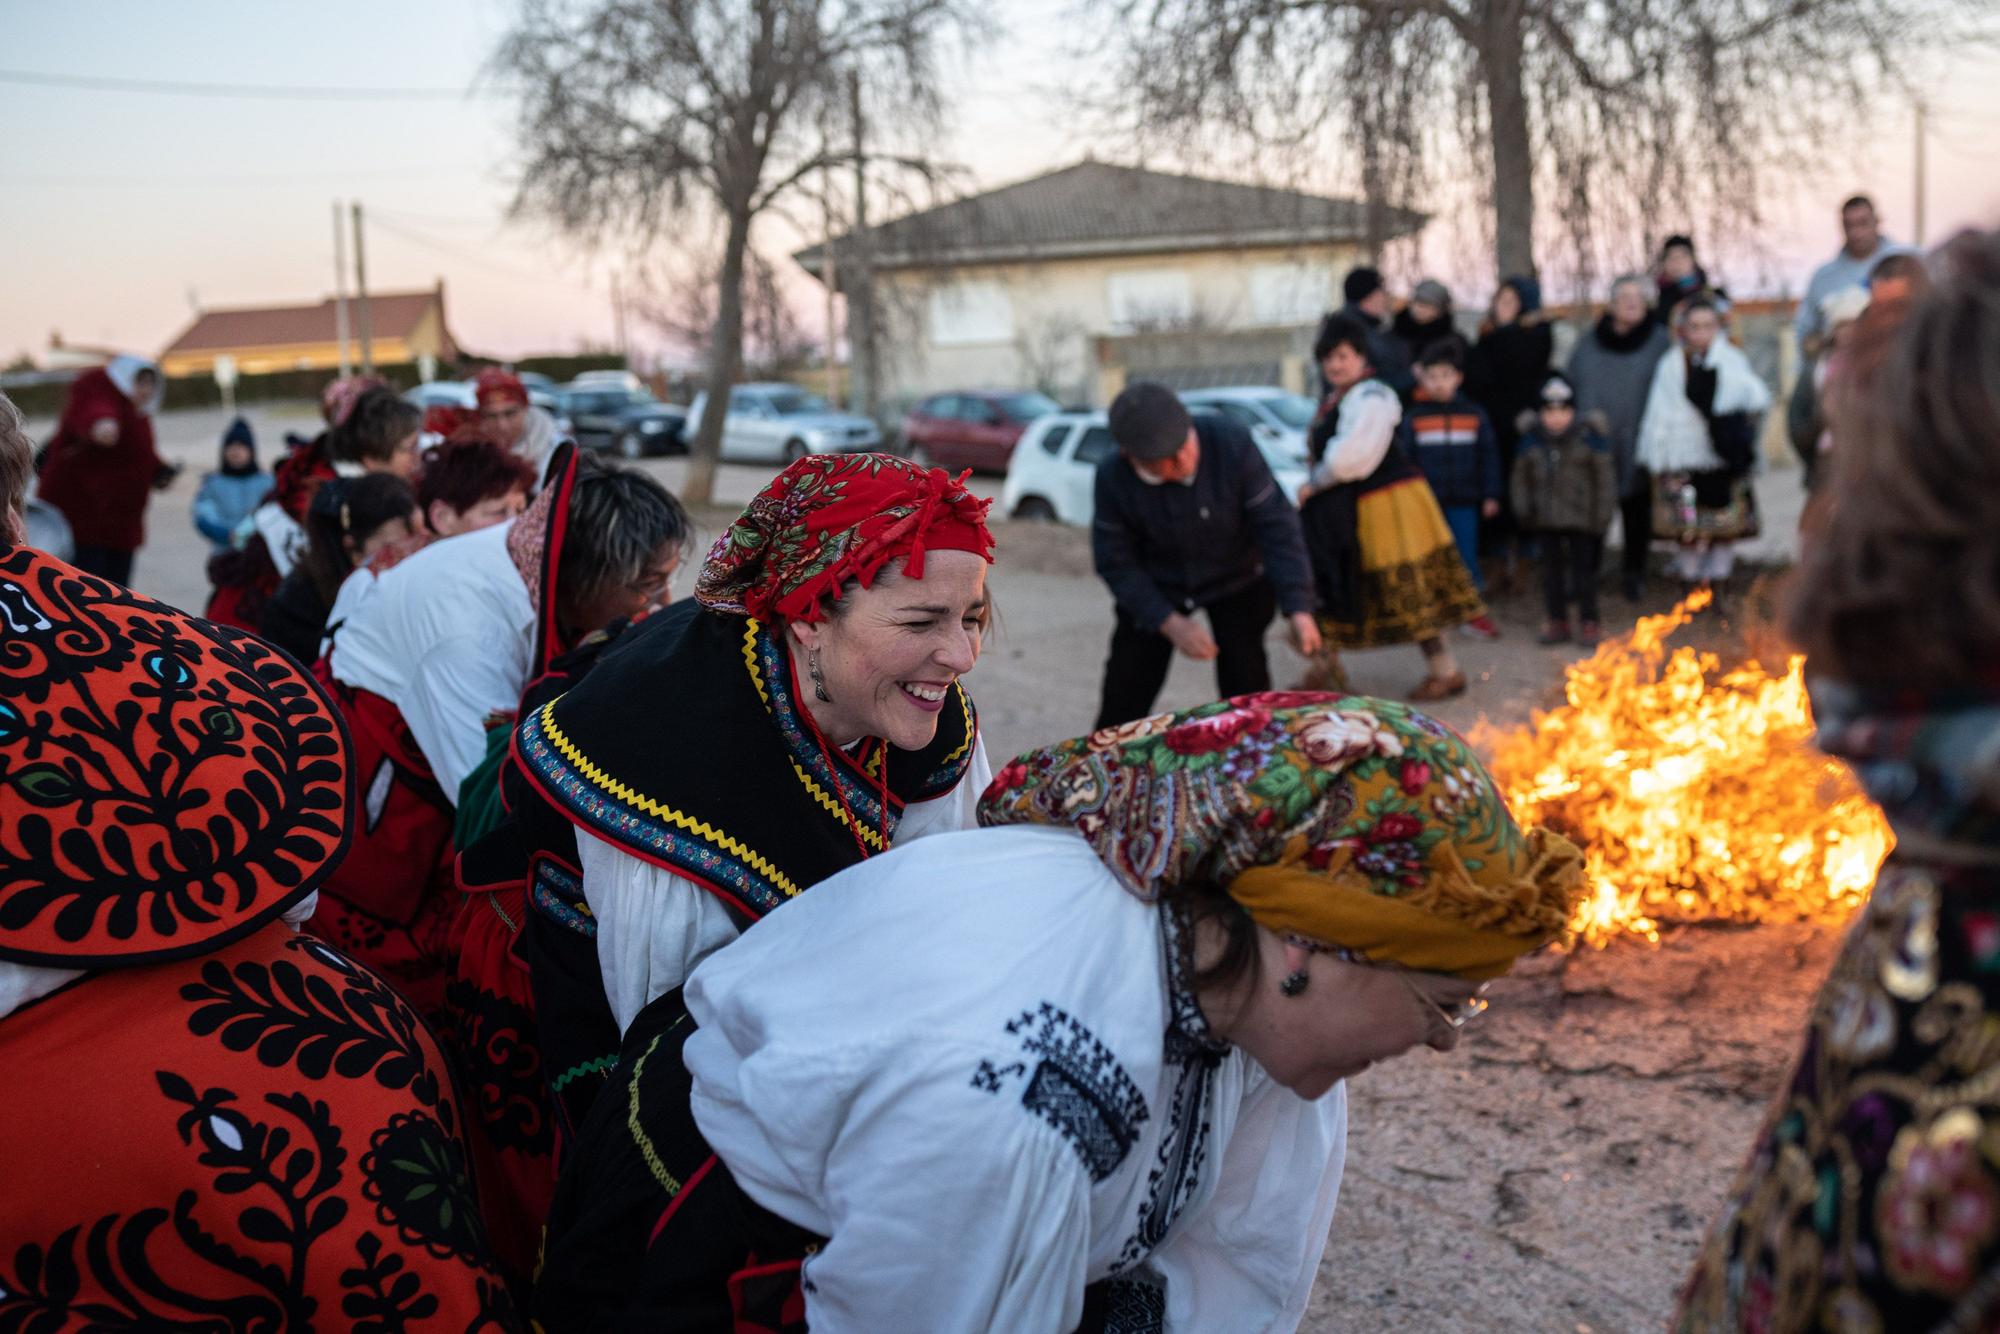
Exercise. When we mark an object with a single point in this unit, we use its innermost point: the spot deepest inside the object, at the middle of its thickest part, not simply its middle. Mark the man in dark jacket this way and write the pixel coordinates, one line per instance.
(1189, 519)
(1612, 368)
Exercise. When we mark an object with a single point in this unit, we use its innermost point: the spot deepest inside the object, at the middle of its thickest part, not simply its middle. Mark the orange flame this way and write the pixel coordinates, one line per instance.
(1696, 793)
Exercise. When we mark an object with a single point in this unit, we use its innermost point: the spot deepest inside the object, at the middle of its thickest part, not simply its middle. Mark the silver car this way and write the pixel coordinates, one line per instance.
(778, 423)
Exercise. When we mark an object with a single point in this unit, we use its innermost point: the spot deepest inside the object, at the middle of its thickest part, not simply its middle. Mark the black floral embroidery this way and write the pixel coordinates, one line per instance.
(1134, 1305)
(1192, 1055)
(502, 1065)
(416, 1177)
(44, 1288)
(381, 1298)
(291, 1018)
(1076, 1085)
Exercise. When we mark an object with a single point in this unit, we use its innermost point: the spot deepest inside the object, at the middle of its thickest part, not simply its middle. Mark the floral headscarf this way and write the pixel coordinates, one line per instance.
(1342, 820)
(829, 518)
(337, 400)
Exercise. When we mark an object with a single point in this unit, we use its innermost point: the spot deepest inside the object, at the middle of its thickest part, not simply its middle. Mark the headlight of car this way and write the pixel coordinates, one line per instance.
(816, 436)
(651, 425)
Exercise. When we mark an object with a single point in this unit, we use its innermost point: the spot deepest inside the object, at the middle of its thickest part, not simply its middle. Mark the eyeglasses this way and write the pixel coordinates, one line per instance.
(1455, 1016)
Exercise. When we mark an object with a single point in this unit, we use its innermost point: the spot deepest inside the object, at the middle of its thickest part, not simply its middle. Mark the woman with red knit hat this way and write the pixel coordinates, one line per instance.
(509, 420)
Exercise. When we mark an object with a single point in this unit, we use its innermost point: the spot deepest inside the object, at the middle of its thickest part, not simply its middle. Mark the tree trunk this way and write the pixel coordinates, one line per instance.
(725, 361)
(1513, 147)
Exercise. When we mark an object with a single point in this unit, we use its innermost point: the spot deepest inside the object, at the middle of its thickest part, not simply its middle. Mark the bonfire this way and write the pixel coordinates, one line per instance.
(1696, 793)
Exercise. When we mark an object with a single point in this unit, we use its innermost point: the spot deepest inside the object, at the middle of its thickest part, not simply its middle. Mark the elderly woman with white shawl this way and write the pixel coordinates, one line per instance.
(1699, 440)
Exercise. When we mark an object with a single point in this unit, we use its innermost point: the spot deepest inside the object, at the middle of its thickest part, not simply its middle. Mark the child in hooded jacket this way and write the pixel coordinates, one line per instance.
(231, 493)
(1565, 489)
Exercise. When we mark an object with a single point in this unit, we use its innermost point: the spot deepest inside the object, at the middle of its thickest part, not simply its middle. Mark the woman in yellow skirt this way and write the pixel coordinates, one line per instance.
(1384, 562)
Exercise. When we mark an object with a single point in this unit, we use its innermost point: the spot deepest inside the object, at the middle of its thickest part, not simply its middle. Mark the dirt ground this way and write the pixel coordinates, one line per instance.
(1557, 1171)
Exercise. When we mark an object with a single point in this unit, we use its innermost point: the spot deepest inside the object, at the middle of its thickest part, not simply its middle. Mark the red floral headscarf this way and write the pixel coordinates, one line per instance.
(829, 518)
(497, 386)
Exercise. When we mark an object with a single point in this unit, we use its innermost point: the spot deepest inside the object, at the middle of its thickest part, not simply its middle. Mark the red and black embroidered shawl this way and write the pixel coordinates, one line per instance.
(166, 784)
(221, 1124)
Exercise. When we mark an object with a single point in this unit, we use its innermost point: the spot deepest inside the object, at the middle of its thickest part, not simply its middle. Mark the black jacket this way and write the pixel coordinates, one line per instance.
(1170, 548)
(295, 616)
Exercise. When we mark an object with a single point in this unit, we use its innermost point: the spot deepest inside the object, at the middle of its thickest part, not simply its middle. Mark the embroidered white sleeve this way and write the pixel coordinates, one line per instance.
(653, 926)
(1246, 1259)
(956, 809)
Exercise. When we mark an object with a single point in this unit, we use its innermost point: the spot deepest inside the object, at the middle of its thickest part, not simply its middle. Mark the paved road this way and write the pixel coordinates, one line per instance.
(1552, 1175)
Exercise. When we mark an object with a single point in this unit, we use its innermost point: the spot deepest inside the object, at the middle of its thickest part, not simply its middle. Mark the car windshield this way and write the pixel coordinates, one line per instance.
(1027, 407)
(795, 402)
(1294, 410)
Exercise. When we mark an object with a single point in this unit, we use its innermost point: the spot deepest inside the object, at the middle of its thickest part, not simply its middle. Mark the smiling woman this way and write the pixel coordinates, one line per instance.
(802, 713)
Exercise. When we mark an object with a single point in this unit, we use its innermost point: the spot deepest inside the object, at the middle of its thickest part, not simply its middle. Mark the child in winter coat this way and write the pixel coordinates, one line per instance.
(233, 491)
(1565, 488)
(1453, 443)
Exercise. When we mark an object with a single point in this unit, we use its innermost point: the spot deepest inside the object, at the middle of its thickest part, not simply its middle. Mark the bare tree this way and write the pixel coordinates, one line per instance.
(641, 115)
(1628, 113)
(683, 305)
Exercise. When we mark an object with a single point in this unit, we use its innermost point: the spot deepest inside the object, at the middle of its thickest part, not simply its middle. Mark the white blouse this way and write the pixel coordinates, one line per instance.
(447, 636)
(967, 1064)
(654, 926)
(1366, 425)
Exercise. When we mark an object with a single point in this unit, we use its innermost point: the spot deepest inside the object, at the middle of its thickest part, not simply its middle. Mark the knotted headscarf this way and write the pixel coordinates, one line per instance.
(497, 386)
(1342, 820)
(829, 518)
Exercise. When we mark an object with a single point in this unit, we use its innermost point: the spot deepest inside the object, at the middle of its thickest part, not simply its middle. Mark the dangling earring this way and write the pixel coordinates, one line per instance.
(1294, 983)
(819, 682)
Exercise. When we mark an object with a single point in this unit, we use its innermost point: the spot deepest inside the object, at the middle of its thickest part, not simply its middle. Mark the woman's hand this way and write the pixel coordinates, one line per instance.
(1304, 632)
(104, 431)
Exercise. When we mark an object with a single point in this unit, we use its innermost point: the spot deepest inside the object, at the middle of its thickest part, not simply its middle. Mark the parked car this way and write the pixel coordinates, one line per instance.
(775, 422)
(975, 428)
(1277, 419)
(1054, 472)
(442, 394)
(461, 394)
(630, 421)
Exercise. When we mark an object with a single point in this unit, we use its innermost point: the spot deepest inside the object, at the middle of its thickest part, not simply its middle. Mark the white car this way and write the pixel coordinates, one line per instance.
(1277, 419)
(1053, 474)
(780, 423)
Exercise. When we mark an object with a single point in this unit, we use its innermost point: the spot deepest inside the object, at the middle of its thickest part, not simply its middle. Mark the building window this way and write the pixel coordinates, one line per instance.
(1148, 299)
(965, 313)
(1293, 293)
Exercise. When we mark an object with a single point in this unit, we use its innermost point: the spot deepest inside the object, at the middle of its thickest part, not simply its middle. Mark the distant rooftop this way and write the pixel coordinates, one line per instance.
(1098, 208)
(390, 315)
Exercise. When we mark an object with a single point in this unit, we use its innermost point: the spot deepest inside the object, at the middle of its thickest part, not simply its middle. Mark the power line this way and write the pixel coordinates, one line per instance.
(447, 248)
(329, 177)
(285, 92)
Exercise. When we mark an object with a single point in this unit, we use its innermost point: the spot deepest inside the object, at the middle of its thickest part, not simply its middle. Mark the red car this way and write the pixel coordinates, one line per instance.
(973, 428)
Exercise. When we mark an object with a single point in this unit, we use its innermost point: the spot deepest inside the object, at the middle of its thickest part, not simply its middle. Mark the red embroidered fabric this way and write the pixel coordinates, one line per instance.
(166, 783)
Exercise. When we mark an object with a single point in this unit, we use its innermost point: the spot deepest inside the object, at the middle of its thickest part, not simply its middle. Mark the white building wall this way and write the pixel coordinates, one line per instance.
(996, 326)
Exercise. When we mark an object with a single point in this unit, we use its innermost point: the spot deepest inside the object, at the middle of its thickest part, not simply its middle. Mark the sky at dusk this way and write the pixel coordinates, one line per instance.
(120, 210)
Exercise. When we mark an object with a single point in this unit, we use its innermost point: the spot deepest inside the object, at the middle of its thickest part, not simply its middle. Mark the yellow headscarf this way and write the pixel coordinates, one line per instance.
(1340, 819)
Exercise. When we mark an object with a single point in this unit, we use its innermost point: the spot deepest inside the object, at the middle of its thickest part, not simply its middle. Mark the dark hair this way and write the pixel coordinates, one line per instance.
(1857, 201)
(1906, 266)
(1909, 553)
(1361, 282)
(1699, 301)
(462, 473)
(1341, 331)
(1446, 351)
(618, 521)
(378, 423)
(1194, 904)
(344, 510)
(1677, 240)
(17, 460)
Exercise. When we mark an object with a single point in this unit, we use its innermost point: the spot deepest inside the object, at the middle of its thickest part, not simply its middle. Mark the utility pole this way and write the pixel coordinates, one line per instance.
(861, 332)
(1918, 216)
(829, 273)
(340, 289)
(361, 297)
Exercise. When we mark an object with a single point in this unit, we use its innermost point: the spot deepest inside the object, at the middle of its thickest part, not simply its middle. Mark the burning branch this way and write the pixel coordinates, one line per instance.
(1696, 793)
